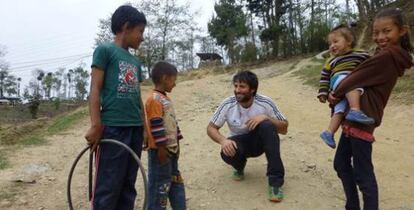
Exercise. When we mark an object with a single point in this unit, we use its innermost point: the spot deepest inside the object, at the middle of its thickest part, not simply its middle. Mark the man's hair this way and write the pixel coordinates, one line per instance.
(346, 32)
(126, 14)
(162, 68)
(249, 78)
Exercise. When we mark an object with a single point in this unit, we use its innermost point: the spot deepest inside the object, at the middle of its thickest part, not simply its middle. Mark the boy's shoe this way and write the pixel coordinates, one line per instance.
(360, 117)
(238, 175)
(275, 194)
(328, 138)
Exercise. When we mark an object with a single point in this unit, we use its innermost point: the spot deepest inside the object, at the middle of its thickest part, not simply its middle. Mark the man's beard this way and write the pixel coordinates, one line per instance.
(242, 98)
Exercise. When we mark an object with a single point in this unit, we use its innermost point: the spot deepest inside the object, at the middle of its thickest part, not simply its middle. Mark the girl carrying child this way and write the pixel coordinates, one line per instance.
(378, 76)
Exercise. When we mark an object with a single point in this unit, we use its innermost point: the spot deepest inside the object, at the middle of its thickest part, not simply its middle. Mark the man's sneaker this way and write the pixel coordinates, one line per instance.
(360, 117)
(328, 138)
(275, 194)
(238, 175)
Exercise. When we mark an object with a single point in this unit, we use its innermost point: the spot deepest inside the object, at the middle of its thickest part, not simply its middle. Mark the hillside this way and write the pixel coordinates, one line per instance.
(311, 182)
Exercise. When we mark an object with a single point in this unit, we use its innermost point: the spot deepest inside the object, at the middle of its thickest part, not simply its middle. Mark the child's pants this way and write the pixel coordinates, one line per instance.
(165, 183)
(116, 169)
(360, 172)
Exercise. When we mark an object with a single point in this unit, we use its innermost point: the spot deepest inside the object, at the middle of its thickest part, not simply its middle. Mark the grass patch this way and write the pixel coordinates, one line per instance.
(3, 161)
(405, 84)
(310, 74)
(404, 89)
(33, 140)
(9, 195)
(11, 192)
(64, 122)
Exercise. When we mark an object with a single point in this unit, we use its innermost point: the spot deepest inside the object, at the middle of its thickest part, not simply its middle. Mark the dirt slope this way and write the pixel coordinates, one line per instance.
(310, 180)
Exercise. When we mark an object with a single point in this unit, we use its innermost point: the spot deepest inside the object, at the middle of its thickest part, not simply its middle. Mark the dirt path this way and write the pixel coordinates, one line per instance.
(310, 180)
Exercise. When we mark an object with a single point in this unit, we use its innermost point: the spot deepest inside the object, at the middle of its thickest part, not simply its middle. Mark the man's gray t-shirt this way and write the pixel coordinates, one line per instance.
(236, 116)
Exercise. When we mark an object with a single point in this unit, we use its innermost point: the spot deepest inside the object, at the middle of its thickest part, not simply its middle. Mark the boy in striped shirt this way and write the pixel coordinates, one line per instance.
(165, 181)
(345, 59)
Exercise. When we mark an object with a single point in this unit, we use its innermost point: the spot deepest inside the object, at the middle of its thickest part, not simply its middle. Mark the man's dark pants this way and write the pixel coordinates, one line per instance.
(360, 172)
(117, 169)
(263, 139)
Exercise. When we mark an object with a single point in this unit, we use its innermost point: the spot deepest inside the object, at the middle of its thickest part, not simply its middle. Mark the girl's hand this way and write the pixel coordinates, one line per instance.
(322, 98)
(332, 99)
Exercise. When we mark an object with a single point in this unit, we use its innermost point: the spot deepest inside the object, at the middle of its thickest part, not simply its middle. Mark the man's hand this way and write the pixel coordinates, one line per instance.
(254, 121)
(229, 147)
(94, 135)
(163, 154)
(322, 98)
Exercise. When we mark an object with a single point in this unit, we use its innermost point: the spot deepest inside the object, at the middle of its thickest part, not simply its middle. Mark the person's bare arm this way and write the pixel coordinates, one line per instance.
(94, 133)
(281, 125)
(228, 146)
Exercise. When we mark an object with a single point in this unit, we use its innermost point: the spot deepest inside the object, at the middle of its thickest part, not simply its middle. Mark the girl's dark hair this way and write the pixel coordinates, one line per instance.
(126, 14)
(249, 78)
(160, 69)
(346, 32)
(399, 19)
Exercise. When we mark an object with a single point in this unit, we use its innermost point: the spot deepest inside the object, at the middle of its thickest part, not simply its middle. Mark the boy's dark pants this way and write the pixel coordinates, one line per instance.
(360, 172)
(263, 139)
(117, 169)
(165, 183)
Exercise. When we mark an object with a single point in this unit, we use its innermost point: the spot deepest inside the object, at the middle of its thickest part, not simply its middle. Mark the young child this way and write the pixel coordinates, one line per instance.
(116, 112)
(378, 76)
(165, 181)
(345, 58)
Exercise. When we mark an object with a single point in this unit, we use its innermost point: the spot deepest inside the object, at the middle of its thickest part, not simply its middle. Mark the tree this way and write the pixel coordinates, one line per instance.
(57, 82)
(3, 75)
(271, 11)
(105, 34)
(208, 44)
(3, 71)
(69, 77)
(47, 84)
(19, 80)
(39, 74)
(167, 24)
(228, 25)
(81, 77)
(10, 85)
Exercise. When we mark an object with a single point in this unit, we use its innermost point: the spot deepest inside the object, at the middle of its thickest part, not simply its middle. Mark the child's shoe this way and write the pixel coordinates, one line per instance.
(328, 138)
(360, 117)
(275, 194)
(238, 175)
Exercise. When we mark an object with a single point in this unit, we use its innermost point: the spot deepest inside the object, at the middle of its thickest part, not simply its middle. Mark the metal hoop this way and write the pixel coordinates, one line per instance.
(134, 155)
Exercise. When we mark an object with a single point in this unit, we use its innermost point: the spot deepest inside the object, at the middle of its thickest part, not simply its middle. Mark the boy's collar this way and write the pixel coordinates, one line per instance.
(162, 92)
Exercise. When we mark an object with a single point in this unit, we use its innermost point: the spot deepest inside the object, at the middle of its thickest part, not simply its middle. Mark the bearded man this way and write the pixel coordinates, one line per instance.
(254, 122)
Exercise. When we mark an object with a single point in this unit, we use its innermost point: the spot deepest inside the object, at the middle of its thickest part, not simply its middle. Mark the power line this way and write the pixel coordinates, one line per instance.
(27, 54)
(60, 63)
(51, 59)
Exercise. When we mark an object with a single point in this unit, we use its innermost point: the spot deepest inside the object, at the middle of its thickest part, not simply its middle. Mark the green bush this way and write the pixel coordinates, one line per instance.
(249, 53)
(34, 104)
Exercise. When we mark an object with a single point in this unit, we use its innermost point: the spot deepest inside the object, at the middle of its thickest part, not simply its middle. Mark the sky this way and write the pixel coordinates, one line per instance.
(49, 34)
